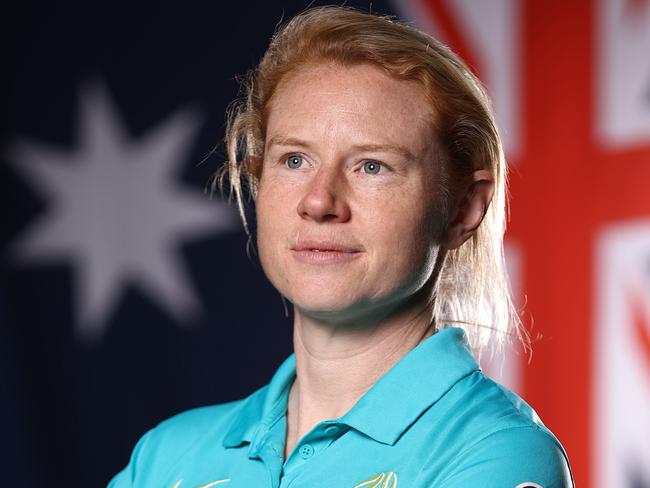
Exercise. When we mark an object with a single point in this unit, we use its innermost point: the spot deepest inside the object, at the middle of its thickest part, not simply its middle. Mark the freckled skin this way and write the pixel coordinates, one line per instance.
(336, 119)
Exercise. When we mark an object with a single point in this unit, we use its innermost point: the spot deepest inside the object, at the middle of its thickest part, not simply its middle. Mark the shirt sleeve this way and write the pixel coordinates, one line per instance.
(521, 457)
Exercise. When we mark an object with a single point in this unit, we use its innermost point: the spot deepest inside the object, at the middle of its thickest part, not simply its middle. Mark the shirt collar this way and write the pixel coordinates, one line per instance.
(263, 407)
(415, 383)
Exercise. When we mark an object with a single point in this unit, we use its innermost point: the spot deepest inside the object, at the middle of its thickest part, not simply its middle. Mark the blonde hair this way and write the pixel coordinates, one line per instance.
(473, 289)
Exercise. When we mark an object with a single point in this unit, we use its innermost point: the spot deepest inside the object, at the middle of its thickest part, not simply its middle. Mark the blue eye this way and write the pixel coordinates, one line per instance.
(294, 162)
(372, 167)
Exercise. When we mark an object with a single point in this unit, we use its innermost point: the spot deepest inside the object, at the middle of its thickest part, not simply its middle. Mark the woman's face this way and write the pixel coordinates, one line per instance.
(347, 208)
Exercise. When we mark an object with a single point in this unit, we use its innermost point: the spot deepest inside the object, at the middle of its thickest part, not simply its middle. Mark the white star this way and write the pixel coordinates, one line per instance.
(116, 213)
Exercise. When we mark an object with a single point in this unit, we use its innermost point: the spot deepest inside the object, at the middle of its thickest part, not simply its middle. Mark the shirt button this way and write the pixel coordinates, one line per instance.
(332, 430)
(306, 451)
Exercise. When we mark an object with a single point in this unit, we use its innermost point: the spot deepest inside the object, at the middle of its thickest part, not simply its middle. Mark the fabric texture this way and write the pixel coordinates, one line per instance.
(433, 420)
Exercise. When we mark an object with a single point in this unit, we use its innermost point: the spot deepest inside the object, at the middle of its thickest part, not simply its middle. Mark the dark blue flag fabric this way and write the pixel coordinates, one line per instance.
(126, 293)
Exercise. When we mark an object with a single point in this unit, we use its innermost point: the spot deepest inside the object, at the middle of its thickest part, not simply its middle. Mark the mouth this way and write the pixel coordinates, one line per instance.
(322, 252)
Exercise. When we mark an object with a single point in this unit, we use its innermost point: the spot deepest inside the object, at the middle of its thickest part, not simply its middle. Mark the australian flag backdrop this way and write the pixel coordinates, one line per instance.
(127, 293)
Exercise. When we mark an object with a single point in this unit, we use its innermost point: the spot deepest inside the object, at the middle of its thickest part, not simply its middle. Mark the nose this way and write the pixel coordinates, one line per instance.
(325, 198)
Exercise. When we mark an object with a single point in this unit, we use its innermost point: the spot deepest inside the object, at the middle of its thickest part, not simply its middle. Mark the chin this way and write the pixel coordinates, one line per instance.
(324, 307)
(341, 310)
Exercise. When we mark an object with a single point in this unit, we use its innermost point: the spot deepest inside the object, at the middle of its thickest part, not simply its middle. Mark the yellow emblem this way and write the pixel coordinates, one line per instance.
(382, 480)
(207, 485)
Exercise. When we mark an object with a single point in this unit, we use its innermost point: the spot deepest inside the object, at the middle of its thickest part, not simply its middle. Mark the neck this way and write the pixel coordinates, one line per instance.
(337, 365)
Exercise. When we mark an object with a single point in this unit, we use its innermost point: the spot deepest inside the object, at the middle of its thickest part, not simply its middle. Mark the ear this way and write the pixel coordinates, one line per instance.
(472, 206)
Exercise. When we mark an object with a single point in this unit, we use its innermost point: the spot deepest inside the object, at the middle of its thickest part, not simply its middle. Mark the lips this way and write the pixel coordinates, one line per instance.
(325, 246)
(323, 252)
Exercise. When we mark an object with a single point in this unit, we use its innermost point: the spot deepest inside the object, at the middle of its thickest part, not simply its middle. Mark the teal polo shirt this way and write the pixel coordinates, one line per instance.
(433, 420)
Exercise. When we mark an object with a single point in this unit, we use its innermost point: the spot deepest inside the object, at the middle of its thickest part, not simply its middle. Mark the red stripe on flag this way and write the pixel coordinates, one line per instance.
(553, 218)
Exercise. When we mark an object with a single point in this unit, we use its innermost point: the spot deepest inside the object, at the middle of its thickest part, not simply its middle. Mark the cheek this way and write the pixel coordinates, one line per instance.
(264, 212)
(419, 249)
(269, 254)
(408, 236)
(272, 215)
(408, 219)
(416, 241)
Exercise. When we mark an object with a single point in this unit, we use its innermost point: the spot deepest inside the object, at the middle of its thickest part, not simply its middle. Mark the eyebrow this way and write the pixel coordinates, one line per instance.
(390, 148)
(285, 141)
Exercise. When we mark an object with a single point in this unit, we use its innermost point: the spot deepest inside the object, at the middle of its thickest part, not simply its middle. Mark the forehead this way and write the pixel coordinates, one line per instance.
(361, 100)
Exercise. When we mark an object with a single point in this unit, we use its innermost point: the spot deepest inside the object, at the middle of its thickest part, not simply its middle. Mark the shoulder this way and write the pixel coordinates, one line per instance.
(188, 427)
(506, 443)
(484, 407)
(524, 456)
(201, 429)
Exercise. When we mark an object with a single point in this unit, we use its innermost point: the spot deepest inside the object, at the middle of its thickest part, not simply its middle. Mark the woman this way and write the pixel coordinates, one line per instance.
(379, 185)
